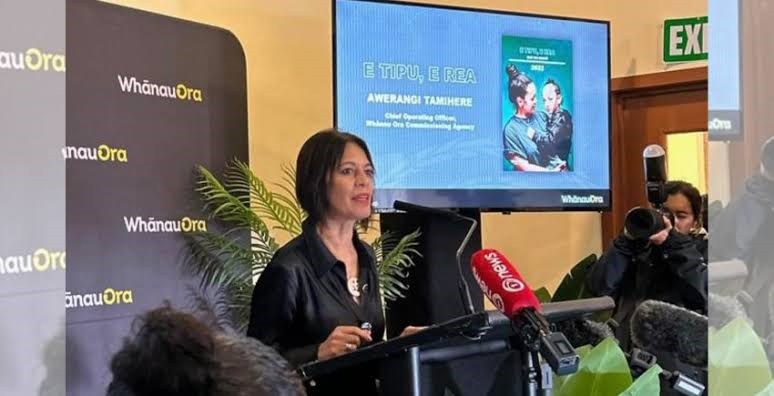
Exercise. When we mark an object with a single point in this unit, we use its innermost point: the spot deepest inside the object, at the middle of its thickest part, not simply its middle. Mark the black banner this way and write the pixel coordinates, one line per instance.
(32, 197)
(148, 98)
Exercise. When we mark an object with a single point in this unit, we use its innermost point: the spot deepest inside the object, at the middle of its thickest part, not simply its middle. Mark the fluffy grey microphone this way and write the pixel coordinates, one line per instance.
(724, 309)
(582, 332)
(659, 326)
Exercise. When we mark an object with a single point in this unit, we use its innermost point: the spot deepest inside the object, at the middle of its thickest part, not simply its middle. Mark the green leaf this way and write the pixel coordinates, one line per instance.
(582, 353)
(767, 391)
(240, 179)
(229, 206)
(227, 263)
(737, 361)
(602, 372)
(394, 265)
(218, 259)
(543, 295)
(573, 284)
(647, 384)
(213, 311)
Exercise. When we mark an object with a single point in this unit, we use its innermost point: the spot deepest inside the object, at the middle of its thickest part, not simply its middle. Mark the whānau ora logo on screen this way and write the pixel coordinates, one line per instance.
(152, 225)
(578, 199)
(102, 153)
(109, 296)
(179, 91)
(718, 124)
(41, 260)
(32, 59)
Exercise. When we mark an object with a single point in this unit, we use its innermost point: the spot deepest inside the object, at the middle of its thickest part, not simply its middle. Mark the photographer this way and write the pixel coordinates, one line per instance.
(744, 230)
(667, 263)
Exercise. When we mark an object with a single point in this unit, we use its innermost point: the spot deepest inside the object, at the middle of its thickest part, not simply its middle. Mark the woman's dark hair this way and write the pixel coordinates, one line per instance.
(170, 354)
(319, 157)
(517, 83)
(173, 353)
(250, 368)
(557, 88)
(690, 192)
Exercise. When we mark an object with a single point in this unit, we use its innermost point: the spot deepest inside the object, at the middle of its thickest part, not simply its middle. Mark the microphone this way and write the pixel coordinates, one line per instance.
(640, 361)
(462, 285)
(582, 332)
(656, 325)
(585, 332)
(508, 291)
(724, 309)
(654, 165)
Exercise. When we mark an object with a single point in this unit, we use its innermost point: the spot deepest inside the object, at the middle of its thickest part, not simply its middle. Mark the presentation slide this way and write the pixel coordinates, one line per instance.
(725, 106)
(470, 108)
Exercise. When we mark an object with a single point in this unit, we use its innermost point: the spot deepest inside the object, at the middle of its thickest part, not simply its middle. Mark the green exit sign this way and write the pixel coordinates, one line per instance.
(685, 39)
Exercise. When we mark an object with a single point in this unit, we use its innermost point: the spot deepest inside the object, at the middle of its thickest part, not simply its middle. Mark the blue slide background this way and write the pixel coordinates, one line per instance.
(724, 79)
(439, 159)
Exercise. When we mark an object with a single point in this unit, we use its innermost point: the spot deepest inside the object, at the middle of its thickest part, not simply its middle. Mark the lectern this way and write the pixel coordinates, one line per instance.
(398, 362)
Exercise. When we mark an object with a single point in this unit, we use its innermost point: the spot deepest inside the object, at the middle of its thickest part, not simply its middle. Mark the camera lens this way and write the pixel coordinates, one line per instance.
(641, 223)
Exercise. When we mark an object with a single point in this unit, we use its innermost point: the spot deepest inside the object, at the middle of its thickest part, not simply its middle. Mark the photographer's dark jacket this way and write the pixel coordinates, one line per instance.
(744, 230)
(675, 272)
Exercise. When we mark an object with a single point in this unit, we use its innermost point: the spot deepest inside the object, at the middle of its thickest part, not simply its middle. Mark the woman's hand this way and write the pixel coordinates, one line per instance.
(560, 166)
(409, 330)
(660, 237)
(343, 339)
(523, 165)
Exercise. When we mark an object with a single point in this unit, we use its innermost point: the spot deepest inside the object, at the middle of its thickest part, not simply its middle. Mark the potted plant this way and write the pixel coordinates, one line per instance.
(248, 217)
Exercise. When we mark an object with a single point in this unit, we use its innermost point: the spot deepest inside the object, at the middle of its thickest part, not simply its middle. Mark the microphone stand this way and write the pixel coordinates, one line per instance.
(467, 301)
(535, 339)
(536, 382)
(528, 359)
(464, 289)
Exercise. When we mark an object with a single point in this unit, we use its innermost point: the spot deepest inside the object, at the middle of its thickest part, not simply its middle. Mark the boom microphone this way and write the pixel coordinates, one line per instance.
(724, 309)
(657, 325)
(508, 291)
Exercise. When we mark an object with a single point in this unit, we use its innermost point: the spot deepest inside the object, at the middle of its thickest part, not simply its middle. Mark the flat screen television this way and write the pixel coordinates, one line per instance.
(469, 108)
(725, 72)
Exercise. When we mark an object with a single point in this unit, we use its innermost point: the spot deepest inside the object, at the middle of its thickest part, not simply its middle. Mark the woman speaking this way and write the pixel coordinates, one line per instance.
(319, 295)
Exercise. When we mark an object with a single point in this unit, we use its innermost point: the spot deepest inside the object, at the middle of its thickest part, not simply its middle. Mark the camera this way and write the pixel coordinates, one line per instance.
(640, 223)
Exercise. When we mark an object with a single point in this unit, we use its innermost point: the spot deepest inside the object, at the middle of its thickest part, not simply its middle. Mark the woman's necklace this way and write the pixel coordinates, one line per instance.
(354, 287)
